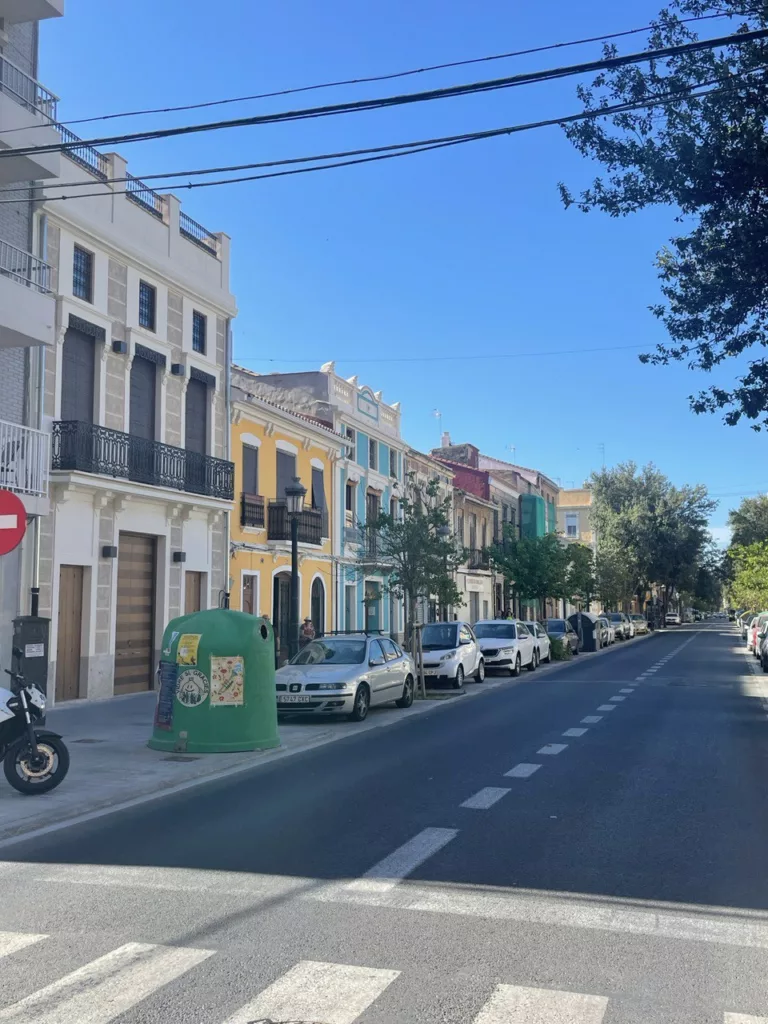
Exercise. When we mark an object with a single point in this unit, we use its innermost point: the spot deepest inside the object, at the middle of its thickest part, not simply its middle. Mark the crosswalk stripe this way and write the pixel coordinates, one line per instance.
(743, 1018)
(103, 989)
(315, 991)
(12, 942)
(512, 1004)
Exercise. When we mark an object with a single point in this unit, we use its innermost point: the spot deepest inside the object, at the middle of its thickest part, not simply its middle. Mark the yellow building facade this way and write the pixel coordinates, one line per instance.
(270, 446)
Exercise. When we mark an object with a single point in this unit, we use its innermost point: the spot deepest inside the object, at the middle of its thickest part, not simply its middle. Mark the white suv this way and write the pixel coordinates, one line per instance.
(507, 644)
(451, 652)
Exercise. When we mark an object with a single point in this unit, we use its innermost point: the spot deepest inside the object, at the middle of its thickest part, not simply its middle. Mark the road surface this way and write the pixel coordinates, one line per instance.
(585, 846)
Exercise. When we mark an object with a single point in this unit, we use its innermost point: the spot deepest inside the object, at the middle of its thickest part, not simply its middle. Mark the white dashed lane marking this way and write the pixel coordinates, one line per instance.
(591, 719)
(485, 798)
(385, 875)
(553, 748)
(618, 700)
(607, 707)
(629, 689)
(522, 771)
(575, 732)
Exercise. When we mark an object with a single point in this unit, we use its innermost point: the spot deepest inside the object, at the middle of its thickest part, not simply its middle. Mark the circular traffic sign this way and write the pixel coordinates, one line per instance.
(13, 521)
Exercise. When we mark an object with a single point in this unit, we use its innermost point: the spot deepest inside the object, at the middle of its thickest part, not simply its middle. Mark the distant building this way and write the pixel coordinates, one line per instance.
(420, 471)
(574, 517)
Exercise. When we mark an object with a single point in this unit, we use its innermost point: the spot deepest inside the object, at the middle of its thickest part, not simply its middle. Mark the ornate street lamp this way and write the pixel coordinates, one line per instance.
(295, 494)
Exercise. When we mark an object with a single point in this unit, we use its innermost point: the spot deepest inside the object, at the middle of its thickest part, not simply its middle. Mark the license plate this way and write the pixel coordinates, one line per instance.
(293, 698)
(430, 671)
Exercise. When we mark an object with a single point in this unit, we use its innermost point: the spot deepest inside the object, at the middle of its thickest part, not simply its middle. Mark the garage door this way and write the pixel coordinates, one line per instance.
(134, 635)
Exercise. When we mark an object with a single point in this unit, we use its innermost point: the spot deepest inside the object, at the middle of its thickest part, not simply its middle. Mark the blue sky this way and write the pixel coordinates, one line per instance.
(463, 253)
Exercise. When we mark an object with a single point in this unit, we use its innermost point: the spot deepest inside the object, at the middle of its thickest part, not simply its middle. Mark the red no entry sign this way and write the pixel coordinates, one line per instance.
(13, 521)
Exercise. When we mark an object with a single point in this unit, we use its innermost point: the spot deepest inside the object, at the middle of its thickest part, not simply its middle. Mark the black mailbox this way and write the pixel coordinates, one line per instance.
(31, 635)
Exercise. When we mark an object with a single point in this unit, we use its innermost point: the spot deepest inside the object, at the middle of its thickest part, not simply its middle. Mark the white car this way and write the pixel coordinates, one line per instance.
(452, 653)
(672, 619)
(607, 633)
(507, 645)
(345, 675)
(542, 641)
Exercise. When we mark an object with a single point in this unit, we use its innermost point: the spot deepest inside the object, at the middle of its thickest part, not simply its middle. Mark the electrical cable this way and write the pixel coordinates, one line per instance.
(449, 92)
(408, 148)
(377, 78)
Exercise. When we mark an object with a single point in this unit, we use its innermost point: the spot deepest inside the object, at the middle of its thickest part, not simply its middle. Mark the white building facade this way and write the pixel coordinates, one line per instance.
(136, 400)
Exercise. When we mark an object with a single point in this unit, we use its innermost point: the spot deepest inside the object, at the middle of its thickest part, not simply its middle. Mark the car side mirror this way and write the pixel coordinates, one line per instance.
(375, 662)
(465, 643)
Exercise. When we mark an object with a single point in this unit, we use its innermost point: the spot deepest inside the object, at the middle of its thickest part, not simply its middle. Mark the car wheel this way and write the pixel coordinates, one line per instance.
(407, 699)
(533, 662)
(576, 648)
(518, 665)
(549, 655)
(458, 679)
(480, 674)
(362, 703)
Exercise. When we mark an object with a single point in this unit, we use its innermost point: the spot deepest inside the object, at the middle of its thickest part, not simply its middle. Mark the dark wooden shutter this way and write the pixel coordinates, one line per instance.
(286, 471)
(78, 377)
(250, 470)
(318, 489)
(143, 397)
(196, 413)
(134, 630)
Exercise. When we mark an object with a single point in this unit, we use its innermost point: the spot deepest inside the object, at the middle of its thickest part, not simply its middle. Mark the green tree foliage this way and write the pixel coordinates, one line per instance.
(749, 586)
(749, 522)
(649, 531)
(702, 152)
(580, 574)
(537, 567)
(415, 550)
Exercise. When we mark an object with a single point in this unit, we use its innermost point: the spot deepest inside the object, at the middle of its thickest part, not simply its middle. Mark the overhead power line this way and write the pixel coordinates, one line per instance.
(370, 79)
(448, 92)
(400, 149)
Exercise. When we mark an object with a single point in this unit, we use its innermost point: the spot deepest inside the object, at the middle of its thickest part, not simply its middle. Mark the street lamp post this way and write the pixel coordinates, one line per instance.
(294, 499)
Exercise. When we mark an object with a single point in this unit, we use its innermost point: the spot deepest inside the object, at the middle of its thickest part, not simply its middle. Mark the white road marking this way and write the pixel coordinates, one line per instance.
(512, 1004)
(618, 700)
(485, 798)
(575, 732)
(552, 748)
(106, 988)
(522, 771)
(11, 942)
(312, 991)
(401, 862)
(591, 719)
(628, 689)
(743, 1018)
(607, 707)
(626, 917)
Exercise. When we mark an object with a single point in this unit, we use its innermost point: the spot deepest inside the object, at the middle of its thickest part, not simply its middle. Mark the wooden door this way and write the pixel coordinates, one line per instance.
(70, 623)
(281, 614)
(193, 592)
(78, 369)
(134, 633)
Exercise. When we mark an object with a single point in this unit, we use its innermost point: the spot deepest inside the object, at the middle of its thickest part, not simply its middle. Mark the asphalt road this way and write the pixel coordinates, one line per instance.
(585, 846)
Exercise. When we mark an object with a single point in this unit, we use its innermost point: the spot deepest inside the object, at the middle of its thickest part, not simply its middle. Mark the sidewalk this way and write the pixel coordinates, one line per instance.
(111, 763)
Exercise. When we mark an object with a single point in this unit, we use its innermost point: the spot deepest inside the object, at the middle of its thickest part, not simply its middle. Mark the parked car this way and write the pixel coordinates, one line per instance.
(561, 629)
(744, 622)
(451, 652)
(756, 626)
(345, 675)
(762, 648)
(542, 641)
(507, 645)
(673, 619)
(608, 633)
(640, 623)
(621, 625)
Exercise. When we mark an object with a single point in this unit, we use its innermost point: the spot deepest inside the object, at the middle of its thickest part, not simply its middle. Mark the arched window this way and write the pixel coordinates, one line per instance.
(318, 606)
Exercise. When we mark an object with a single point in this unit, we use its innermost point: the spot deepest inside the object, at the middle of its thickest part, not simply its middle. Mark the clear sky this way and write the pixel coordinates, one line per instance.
(463, 253)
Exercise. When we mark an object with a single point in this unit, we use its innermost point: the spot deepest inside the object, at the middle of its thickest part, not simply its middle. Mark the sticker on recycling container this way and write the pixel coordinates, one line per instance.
(186, 652)
(227, 681)
(192, 688)
(167, 650)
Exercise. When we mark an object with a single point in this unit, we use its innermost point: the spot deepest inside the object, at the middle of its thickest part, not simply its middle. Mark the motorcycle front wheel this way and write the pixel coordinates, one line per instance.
(33, 775)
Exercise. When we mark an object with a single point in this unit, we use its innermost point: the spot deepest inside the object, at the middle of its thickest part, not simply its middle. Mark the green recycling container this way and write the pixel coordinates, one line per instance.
(216, 684)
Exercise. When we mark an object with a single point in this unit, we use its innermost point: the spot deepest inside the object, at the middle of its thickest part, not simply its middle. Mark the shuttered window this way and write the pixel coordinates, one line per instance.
(286, 471)
(196, 417)
(142, 399)
(250, 470)
(318, 489)
(77, 376)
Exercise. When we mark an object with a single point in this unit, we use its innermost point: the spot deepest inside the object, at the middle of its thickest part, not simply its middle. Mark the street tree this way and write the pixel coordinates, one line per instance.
(749, 522)
(536, 567)
(701, 151)
(748, 587)
(580, 573)
(414, 550)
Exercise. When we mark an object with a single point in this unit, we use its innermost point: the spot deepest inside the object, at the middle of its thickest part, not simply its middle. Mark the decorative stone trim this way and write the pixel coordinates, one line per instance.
(150, 355)
(204, 378)
(86, 327)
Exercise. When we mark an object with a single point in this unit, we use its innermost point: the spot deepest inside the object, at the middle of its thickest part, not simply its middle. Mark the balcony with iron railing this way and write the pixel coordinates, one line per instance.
(89, 448)
(27, 305)
(313, 523)
(478, 559)
(27, 91)
(24, 459)
(252, 511)
(25, 269)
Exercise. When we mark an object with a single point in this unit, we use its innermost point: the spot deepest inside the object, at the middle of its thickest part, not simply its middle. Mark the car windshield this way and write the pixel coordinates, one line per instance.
(616, 616)
(638, 618)
(439, 636)
(332, 651)
(495, 630)
(555, 625)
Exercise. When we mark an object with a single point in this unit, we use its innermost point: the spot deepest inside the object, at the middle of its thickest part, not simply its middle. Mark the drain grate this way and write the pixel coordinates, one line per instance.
(180, 757)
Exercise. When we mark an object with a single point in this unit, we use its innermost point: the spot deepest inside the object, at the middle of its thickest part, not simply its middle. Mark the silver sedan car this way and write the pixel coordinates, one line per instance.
(345, 675)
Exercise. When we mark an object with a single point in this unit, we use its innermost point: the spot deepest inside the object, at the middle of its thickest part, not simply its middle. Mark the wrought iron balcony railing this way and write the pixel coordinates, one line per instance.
(477, 559)
(312, 524)
(89, 448)
(26, 91)
(25, 268)
(252, 511)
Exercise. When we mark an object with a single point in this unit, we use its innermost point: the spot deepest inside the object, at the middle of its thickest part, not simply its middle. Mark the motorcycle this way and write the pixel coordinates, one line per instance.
(34, 760)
